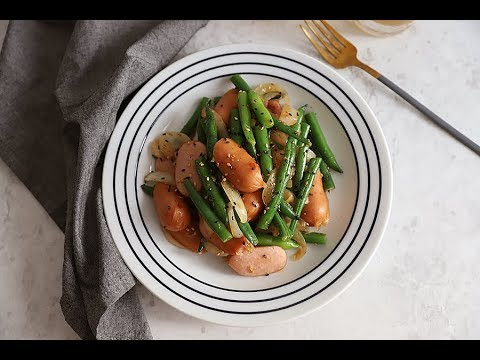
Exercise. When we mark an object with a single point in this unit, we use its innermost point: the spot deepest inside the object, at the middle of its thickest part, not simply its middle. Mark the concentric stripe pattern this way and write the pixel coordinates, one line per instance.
(192, 292)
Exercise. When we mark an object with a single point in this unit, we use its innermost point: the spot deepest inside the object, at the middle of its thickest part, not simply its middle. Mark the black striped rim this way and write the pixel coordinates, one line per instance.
(366, 238)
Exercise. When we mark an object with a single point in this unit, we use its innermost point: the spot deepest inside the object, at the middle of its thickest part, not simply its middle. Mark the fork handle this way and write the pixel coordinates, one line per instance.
(434, 117)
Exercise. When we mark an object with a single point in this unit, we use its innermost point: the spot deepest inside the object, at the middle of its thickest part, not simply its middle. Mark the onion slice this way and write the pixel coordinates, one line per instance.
(160, 176)
(234, 228)
(310, 155)
(302, 225)
(267, 193)
(221, 127)
(298, 237)
(289, 115)
(268, 91)
(310, 229)
(236, 199)
(166, 145)
(288, 196)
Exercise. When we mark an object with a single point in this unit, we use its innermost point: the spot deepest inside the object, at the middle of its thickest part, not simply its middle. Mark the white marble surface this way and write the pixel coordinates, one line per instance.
(424, 281)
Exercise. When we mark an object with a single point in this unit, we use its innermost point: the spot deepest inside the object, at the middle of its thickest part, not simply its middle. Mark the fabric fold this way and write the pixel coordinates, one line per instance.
(84, 72)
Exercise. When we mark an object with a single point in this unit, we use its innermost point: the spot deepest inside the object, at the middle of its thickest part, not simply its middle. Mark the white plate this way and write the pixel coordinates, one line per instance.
(202, 285)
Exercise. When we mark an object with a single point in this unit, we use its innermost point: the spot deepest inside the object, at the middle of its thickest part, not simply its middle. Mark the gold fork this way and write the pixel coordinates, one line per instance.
(341, 53)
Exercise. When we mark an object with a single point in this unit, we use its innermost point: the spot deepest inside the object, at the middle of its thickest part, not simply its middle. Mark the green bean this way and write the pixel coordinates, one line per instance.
(263, 148)
(280, 185)
(306, 185)
(320, 145)
(210, 132)
(235, 128)
(261, 112)
(301, 113)
(201, 130)
(216, 99)
(213, 191)
(191, 125)
(270, 240)
(301, 158)
(251, 150)
(245, 117)
(287, 210)
(291, 132)
(315, 238)
(239, 83)
(147, 189)
(207, 213)
(247, 230)
(327, 180)
(281, 226)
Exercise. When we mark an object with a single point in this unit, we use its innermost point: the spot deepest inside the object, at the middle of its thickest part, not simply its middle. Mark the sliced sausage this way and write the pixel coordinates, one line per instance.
(185, 165)
(262, 260)
(237, 166)
(165, 165)
(253, 203)
(172, 209)
(226, 103)
(316, 212)
(189, 237)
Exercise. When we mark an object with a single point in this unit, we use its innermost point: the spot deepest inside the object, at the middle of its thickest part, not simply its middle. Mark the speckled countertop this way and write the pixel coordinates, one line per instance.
(423, 282)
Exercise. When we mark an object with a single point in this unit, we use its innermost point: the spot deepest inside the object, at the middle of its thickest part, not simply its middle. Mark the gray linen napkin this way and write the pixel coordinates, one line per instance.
(62, 84)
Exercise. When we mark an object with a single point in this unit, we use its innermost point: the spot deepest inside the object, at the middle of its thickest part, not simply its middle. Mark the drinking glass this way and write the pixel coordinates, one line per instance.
(383, 27)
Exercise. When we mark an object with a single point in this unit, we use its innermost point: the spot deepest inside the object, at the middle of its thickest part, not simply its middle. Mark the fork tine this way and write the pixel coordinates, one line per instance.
(326, 55)
(329, 47)
(335, 33)
(332, 40)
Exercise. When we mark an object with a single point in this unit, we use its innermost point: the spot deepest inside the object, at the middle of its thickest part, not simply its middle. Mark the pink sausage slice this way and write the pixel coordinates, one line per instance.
(185, 165)
(262, 260)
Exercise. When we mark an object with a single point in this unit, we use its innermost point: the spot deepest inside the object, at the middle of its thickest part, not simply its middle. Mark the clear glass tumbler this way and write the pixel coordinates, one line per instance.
(383, 27)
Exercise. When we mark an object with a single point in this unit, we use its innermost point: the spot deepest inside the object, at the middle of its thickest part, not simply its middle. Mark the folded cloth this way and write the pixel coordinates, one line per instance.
(62, 84)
